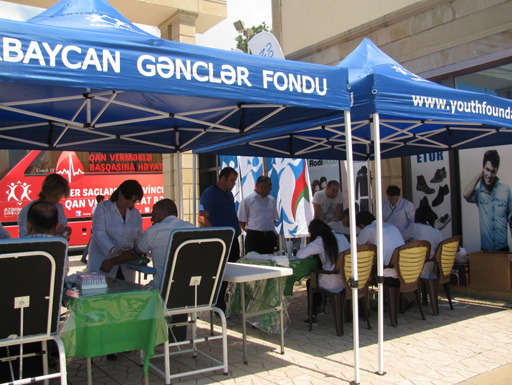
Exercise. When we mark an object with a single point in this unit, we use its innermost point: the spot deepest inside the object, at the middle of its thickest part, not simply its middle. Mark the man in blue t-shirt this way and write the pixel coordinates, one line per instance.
(217, 208)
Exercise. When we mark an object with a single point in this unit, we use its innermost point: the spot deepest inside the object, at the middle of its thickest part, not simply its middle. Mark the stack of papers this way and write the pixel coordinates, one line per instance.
(281, 260)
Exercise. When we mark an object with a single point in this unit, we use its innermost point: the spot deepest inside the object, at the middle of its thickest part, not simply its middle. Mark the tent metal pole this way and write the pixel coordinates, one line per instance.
(380, 251)
(353, 244)
(180, 185)
(194, 189)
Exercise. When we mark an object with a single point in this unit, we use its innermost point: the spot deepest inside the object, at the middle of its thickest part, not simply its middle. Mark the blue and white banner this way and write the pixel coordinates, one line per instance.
(290, 181)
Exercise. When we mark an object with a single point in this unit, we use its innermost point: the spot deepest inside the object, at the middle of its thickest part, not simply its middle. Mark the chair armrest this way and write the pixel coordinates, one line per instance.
(320, 271)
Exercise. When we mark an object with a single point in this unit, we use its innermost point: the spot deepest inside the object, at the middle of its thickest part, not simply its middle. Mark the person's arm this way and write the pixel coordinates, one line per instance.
(338, 213)
(109, 263)
(101, 229)
(203, 219)
(313, 248)
(409, 214)
(22, 223)
(470, 187)
(243, 214)
(4, 234)
(318, 210)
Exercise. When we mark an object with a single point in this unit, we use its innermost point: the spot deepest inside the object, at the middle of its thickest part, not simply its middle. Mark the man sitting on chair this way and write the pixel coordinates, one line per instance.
(42, 220)
(155, 240)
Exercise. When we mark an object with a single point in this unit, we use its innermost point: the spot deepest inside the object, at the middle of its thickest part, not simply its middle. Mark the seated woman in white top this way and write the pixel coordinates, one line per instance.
(327, 245)
(423, 230)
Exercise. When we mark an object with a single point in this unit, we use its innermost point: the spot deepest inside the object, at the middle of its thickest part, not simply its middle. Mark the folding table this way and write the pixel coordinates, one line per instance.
(241, 273)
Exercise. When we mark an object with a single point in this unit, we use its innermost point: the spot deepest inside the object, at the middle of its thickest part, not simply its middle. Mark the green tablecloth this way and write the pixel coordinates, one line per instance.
(301, 268)
(124, 317)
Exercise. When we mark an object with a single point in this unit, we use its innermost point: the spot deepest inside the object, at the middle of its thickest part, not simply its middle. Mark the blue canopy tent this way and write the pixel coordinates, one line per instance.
(394, 113)
(415, 116)
(81, 77)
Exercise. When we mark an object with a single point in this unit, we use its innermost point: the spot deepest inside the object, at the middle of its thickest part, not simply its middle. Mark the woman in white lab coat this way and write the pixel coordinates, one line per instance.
(115, 227)
(327, 245)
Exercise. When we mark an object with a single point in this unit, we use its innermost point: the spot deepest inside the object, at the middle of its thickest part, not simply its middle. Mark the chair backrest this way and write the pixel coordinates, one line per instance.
(410, 259)
(197, 257)
(365, 260)
(445, 256)
(32, 272)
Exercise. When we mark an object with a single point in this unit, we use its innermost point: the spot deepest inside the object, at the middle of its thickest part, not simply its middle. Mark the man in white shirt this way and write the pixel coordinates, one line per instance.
(390, 234)
(155, 240)
(328, 203)
(257, 214)
(42, 220)
(397, 210)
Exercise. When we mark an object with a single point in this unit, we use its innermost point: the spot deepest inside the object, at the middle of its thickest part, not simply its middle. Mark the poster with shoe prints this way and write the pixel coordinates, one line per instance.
(486, 213)
(431, 187)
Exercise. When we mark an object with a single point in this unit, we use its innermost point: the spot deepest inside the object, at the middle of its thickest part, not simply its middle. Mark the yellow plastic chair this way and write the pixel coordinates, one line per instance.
(444, 260)
(408, 260)
(365, 260)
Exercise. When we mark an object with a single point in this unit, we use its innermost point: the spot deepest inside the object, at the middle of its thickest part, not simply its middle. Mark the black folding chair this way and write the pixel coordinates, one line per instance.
(32, 273)
(191, 284)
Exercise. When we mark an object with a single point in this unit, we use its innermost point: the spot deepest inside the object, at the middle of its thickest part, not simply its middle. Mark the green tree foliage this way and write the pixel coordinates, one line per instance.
(242, 39)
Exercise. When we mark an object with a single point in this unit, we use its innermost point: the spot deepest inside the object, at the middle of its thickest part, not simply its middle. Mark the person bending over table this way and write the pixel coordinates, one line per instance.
(115, 227)
(327, 245)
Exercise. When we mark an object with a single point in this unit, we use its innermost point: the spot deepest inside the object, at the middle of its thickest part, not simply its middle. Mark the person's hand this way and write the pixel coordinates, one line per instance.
(63, 231)
(107, 265)
(115, 251)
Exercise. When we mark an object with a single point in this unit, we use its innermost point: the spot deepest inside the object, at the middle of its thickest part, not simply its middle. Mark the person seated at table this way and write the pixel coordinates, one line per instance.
(327, 245)
(154, 240)
(423, 230)
(343, 225)
(42, 220)
(391, 239)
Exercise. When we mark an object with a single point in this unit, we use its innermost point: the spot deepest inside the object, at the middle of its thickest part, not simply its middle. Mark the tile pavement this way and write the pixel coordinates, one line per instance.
(471, 344)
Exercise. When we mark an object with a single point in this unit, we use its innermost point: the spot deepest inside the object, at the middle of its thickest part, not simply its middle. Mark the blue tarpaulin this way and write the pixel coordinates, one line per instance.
(416, 116)
(81, 77)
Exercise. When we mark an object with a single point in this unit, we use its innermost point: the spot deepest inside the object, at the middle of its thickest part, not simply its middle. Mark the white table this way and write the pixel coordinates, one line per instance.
(241, 273)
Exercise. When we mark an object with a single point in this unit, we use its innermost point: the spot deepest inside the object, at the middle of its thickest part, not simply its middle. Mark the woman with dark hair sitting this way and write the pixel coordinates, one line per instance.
(115, 227)
(327, 245)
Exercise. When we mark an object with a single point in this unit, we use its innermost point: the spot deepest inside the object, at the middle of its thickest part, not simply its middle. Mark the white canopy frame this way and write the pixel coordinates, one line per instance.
(93, 121)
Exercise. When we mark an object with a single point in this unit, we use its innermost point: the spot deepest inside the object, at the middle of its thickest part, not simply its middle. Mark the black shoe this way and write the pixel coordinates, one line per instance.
(443, 221)
(424, 202)
(421, 185)
(444, 190)
(314, 320)
(439, 175)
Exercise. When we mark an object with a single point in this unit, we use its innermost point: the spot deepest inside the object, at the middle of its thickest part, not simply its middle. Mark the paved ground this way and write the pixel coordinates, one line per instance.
(470, 345)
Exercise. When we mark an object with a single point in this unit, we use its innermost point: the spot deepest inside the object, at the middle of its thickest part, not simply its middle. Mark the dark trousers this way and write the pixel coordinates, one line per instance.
(317, 300)
(262, 242)
(234, 256)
